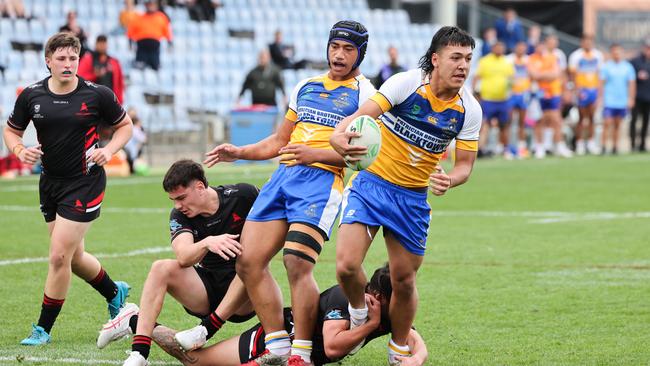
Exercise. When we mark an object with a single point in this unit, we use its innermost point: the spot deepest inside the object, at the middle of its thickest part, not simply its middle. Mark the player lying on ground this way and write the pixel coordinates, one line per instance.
(332, 341)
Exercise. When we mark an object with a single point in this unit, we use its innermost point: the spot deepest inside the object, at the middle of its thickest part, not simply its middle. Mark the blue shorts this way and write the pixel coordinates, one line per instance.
(300, 194)
(519, 101)
(552, 103)
(370, 200)
(498, 110)
(587, 97)
(614, 112)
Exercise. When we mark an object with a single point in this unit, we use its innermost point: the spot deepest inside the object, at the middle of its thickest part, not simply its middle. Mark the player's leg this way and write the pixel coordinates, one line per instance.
(351, 248)
(301, 250)
(633, 120)
(404, 300)
(645, 118)
(234, 304)
(88, 268)
(261, 240)
(183, 283)
(66, 236)
(615, 132)
(223, 353)
(583, 113)
(607, 122)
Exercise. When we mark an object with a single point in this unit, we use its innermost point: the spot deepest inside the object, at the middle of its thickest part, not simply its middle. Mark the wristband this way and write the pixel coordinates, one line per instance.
(14, 148)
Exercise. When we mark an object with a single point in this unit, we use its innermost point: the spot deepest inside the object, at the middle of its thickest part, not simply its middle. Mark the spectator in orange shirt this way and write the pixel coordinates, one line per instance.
(544, 68)
(147, 31)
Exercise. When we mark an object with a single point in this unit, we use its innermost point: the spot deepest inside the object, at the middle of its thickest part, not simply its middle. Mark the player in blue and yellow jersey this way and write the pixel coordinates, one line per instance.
(584, 68)
(422, 111)
(297, 207)
(520, 94)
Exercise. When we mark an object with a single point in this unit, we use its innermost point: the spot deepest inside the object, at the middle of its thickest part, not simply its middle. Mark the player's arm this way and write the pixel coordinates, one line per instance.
(340, 138)
(303, 154)
(419, 352)
(631, 91)
(339, 339)
(14, 141)
(189, 253)
(262, 150)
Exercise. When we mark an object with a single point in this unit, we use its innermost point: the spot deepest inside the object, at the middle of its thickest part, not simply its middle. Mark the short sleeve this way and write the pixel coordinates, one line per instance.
(178, 223)
(20, 116)
(631, 74)
(472, 124)
(292, 112)
(366, 90)
(603, 73)
(397, 88)
(335, 305)
(111, 110)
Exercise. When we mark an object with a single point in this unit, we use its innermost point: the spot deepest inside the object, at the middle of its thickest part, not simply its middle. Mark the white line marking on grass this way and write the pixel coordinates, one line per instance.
(85, 361)
(133, 253)
(151, 210)
(130, 181)
(589, 216)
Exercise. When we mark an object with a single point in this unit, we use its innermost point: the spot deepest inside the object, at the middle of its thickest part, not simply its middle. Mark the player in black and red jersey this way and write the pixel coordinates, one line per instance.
(204, 224)
(332, 340)
(66, 111)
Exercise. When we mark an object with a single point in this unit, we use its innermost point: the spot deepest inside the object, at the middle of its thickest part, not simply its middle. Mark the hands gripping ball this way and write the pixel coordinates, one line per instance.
(370, 137)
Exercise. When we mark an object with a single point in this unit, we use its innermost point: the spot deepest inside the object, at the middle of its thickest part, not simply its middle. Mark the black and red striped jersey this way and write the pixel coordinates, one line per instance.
(66, 124)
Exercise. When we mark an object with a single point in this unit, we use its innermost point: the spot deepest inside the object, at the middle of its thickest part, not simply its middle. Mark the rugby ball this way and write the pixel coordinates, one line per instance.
(370, 138)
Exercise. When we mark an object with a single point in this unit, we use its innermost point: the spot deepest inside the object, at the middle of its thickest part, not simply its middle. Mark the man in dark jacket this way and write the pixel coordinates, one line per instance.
(641, 65)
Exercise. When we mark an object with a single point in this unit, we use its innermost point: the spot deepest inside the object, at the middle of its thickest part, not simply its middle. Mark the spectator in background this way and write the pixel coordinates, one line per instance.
(147, 31)
(12, 9)
(202, 10)
(128, 14)
(73, 27)
(520, 97)
(617, 91)
(543, 67)
(534, 38)
(97, 66)
(282, 54)
(495, 73)
(489, 39)
(133, 148)
(263, 81)
(390, 69)
(509, 29)
(584, 66)
(641, 65)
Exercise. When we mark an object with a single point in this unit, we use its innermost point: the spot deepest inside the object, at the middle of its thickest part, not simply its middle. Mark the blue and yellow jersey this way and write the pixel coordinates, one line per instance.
(521, 80)
(318, 104)
(417, 127)
(586, 65)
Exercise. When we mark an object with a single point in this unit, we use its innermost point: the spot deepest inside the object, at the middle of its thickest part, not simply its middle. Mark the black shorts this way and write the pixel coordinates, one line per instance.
(77, 199)
(216, 285)
(251, 342)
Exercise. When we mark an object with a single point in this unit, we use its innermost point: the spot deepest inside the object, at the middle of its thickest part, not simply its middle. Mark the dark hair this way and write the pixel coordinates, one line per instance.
(101, 38)
(380, 282)
(445, 36)
(62, 40)
(614, 45)
(182, 173)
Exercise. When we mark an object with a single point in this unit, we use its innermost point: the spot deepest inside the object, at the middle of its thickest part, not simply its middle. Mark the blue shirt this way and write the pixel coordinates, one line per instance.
(616, 78)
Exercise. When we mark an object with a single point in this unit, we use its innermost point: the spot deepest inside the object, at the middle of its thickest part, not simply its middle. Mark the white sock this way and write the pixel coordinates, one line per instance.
(302, 348)
(357, 316)
(278, 343)
(396, 350)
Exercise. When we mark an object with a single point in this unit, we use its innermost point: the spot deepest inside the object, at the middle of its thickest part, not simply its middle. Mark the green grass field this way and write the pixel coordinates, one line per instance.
(530, 263)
